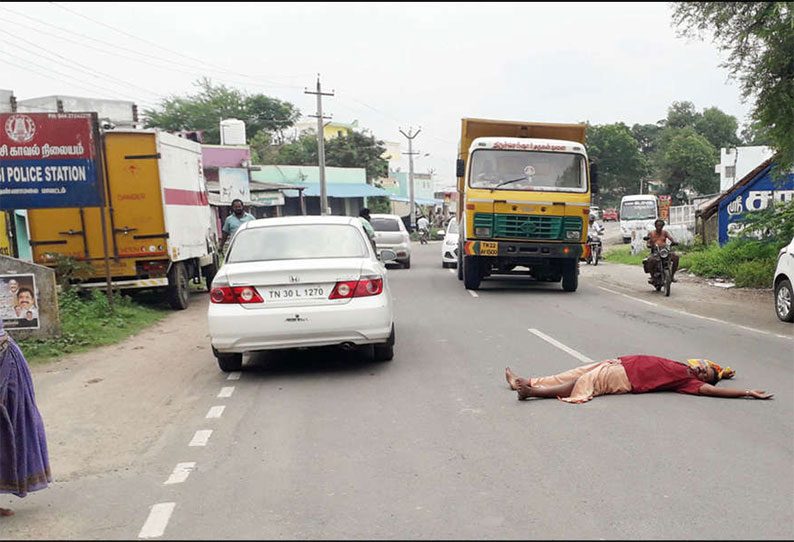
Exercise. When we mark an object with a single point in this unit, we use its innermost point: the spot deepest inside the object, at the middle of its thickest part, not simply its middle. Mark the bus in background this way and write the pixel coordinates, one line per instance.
(637, 212)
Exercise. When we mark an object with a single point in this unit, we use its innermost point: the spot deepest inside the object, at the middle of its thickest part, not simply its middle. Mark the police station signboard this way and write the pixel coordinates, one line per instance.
(49, 160)
(757, 195)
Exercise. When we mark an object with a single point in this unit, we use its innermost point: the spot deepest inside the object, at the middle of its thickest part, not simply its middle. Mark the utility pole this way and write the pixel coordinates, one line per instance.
(321, 143)
(410, 136)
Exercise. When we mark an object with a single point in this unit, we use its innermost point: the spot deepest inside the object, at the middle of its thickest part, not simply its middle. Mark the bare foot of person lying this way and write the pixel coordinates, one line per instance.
(511, 378)
(6, 512)
(522, 387)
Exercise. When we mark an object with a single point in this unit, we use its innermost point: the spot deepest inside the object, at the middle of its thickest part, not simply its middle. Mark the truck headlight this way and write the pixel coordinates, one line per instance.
(573, 234)
(482, 231)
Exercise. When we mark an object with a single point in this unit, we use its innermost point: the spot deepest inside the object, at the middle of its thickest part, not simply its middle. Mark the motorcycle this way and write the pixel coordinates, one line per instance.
(662, 275)
(594, 243)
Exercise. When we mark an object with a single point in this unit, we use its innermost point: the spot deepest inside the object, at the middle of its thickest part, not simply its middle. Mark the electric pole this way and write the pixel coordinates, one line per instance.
(321, 143)
(410, 136)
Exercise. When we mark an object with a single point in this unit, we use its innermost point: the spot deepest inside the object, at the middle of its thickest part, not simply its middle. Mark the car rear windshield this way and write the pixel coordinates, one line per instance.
(385, 224)
(297, 242)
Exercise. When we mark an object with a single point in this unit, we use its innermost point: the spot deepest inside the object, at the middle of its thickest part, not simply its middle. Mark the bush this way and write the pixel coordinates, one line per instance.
(86, 321)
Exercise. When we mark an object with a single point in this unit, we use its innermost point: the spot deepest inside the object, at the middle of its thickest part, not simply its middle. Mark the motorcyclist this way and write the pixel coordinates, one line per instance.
(423, 225)
(659, 237)
(595, 230)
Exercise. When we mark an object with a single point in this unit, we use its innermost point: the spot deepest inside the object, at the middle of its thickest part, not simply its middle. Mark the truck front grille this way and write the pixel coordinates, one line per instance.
(546, 228)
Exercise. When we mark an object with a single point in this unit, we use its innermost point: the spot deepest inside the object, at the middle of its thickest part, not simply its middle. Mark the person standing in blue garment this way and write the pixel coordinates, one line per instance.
(24, 462)
(234, 221)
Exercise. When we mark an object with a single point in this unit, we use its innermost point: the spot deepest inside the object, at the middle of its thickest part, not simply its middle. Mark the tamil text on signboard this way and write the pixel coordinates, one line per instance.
(48, 160)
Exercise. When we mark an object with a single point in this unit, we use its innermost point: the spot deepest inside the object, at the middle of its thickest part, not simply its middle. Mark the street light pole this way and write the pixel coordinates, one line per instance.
(321, 143)
(410, 136)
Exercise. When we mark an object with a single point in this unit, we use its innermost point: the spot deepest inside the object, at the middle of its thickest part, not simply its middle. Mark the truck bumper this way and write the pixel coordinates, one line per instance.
(523, 249)
(125, 284)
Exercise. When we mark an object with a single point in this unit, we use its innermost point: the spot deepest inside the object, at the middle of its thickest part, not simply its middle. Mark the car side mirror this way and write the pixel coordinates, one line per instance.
(387, 256)
(461, 169)
(593, 178)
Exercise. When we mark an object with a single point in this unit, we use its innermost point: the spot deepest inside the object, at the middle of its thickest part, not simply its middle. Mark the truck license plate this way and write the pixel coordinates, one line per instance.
(489, 248)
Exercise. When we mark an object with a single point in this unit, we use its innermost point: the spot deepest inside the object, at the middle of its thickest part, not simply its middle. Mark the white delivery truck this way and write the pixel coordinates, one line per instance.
(637, 213)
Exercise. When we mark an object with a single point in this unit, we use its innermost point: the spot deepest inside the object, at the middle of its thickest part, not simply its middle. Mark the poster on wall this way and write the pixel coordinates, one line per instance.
(664, 207)
(234, 184)
(49, 160)
(18, 306)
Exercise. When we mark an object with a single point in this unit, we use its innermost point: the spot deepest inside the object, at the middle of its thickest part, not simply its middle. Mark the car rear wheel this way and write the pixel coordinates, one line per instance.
(385, 351)
(407, 263)
(783, 298)
(229, 363)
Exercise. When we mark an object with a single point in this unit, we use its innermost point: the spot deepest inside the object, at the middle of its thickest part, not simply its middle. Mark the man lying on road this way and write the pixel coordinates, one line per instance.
(635, 374)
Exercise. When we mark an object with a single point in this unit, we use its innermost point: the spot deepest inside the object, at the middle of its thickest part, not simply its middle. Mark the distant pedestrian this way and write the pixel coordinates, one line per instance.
(234, 221)
(630, 374)
(365, 219)
(24, 462)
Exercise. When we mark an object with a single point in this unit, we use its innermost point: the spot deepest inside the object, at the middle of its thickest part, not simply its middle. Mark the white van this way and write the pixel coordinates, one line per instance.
(637, 212)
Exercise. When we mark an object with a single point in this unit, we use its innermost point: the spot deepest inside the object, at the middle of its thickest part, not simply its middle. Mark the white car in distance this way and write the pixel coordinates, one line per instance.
(391, 234)
(449, 248)
(301, 281)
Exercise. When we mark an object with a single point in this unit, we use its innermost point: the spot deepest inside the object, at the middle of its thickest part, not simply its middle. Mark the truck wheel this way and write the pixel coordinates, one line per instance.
(472, 274)
(178, 291)
(570, 276)
(460, 263)
(209, 271)
(229, 363)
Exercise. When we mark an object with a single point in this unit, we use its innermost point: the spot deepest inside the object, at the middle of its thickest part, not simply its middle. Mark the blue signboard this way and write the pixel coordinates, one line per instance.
(757, 195)
(49, 160)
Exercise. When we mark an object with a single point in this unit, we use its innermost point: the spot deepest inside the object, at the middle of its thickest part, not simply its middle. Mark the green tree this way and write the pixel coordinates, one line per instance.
(647, 137)
(758, 38)
(682, 115)
(205, 109)
(356, 149)
(718, 127)
(620, 163)
(686, 162)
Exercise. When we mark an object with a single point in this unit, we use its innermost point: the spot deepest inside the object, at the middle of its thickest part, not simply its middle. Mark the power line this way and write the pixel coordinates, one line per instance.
(203, 62)
(82, 68)
(43, 74)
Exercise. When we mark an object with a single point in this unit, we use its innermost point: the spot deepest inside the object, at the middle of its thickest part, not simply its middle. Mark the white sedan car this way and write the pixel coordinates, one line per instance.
(391, 234)
(449, 248)
(300, 281)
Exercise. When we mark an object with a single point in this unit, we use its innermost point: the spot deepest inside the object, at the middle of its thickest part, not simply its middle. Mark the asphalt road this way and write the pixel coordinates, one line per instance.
(433, 445)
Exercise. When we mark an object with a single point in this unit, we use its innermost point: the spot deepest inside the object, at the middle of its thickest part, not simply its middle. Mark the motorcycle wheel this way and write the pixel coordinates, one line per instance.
(667, 282)
(596, 253)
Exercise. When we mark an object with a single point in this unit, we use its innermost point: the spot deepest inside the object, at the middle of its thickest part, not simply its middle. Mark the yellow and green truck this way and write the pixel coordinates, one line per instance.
(524, 193)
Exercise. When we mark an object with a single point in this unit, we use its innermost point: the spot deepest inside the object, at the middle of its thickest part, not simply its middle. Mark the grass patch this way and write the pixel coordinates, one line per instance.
(87, 323)
(749, 264)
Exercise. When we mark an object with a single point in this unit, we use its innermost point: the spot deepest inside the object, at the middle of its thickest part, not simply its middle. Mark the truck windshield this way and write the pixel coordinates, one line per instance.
(637, 210)
(528, 170)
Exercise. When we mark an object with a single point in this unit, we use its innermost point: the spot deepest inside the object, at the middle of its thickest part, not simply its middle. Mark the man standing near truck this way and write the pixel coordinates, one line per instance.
(234, 221)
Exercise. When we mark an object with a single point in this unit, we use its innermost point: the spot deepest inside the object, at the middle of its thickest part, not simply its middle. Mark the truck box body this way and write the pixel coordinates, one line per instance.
(157, 213)
(524, 199)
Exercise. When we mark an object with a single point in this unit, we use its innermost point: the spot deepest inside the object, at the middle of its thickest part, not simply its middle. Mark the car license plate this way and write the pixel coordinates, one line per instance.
(296, 293)
(489, 248)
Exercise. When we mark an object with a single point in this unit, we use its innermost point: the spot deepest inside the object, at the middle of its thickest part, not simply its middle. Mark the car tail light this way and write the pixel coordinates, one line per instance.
(364, 287)
(236, 294)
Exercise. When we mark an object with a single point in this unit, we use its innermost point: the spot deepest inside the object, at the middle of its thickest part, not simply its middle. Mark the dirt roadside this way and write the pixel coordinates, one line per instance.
(105, 408)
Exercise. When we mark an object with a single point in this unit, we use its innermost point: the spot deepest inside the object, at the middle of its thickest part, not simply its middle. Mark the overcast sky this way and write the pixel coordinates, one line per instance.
(390, 65)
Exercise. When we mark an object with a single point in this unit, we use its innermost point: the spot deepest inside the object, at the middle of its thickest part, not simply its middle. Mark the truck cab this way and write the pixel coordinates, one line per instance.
(524, 201)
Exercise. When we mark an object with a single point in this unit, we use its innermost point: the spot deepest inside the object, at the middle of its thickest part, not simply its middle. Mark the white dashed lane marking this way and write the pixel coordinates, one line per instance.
(234, 376)
(473, 293)
(158, 520)
(201, 437)
(181, 472)
(215, 412)
(226, 391)
(558, 344)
